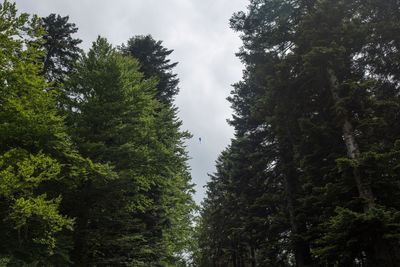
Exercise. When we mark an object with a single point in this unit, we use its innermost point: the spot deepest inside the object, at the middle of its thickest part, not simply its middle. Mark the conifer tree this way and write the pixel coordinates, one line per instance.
(152, 56)
(115, 119)
(61, 50)
(315, 89)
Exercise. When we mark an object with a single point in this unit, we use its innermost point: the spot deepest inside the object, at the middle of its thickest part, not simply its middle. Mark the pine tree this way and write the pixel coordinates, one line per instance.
(61, 49)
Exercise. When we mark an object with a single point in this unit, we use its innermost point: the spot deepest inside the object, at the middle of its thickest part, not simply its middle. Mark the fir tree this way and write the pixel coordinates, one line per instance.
(154, 63)
(61, 50)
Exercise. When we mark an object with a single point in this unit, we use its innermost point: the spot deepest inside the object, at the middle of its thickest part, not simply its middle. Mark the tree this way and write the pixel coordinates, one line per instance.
(272, 103)
(110, 185)
(320, 87)
(115, 119)
(61, 49)
(154, 63)
(32, 138)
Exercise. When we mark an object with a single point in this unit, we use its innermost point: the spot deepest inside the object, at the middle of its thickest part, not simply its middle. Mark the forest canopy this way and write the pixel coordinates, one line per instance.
(312, 175)
(93, 163)
(94, 169)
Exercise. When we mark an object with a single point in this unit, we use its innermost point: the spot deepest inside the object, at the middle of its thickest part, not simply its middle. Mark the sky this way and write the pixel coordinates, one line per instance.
(204, 46)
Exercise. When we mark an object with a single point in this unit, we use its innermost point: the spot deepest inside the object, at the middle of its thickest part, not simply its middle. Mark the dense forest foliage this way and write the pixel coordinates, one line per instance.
(312, 176)
(93, 167)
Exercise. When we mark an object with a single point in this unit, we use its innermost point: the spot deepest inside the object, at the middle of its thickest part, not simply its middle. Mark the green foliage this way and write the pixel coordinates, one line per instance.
(154, 63)
(345, 238)
(38, 209)
(22, 173)
(110, 185)
(116, 119)
(61, 51)
(33, 141)
(319, 104)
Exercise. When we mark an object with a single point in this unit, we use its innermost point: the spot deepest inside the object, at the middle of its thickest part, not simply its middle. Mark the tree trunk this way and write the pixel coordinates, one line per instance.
(253, 256)
(301, 247)
(353, 150)
(234, 259)
(80, 252)
(383, 253)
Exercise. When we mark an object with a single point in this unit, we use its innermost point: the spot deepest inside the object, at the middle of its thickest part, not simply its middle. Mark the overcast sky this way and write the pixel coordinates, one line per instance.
(204, 45)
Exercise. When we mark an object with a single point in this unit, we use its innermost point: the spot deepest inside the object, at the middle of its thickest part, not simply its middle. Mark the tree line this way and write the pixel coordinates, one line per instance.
(311, 177)
(93, 164)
